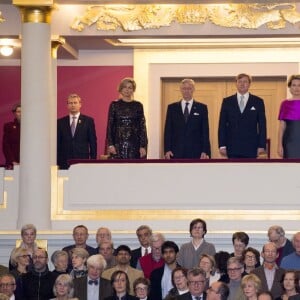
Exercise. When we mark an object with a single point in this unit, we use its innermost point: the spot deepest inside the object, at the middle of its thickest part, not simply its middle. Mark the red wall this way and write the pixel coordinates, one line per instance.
(97, 87)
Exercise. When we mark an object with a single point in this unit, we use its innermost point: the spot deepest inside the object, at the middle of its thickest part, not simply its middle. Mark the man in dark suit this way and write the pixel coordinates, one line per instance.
(93, 286)
(143, 233)
(76, 135)
(186, 129)
(242, 123)
(196, 283)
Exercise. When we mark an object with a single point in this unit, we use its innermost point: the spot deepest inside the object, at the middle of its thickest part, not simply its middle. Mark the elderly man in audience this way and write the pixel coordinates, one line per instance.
(59, 259)
(292, 261)
(153, 260)
(269, 273)
(143, 233)
(218, 291)
(38, 283)
(93, 286)
(161, 278)
(123, 255)
(196, 283)
(106, 249)
(103, 234)
(276, 234)
(8, 285)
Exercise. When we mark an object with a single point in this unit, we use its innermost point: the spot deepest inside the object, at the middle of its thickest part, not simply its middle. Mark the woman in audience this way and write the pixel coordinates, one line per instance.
(63, 288)
(141, 287)
(79, 257)
(251, 286)
(208, 264)
(126, 129)
(59, 258)
(189, 253)
(179, 281)
(20, 260)
(290, 284)
(121, 287)
(240, 241)
(250, 257)
(221, 258)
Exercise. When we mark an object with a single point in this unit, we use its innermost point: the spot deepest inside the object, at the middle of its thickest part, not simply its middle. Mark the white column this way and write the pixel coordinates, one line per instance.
(37, 112)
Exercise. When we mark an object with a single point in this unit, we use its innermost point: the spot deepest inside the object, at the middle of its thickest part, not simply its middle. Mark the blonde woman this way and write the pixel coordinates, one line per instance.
(208, 264)
(79, 258)
(63, 288)
(251, 286)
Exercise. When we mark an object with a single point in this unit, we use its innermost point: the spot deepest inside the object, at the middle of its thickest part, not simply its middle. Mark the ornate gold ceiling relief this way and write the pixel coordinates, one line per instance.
(1, 18)
(137, 17)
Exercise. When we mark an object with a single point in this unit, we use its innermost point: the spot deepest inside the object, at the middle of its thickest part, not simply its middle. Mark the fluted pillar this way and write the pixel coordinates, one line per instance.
(36, 85)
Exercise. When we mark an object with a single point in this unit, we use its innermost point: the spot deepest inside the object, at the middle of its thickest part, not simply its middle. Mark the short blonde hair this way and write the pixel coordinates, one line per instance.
(124, 81)
(67, 280)
(251, 278)
(26, 227)
(15, 254)
(97, 260)
(81, 252)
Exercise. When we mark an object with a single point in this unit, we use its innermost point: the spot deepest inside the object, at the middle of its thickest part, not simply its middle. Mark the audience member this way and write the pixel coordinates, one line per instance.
(218, 291)
(79, 258)
(189, 253)
(19, 260)
(126, 128)
(8, 286)
(123, 254)
(290, 285)
(161, 278)
(63, 288)
(208, 264)
(250, 258)
(221, 259)
(186, 133)
(179, 281)
(106, 249)
(240, 241)
(103, 234)
(251, 286)
(153, 260)
(11, 138)
(59, 259)
(242, 123)
(265, 296)
(38, 283)
(276, 234)
(76, 135)
(93, 286)
(196, 284)
(235, 270)
(121, 286)
(292, 261)
(141, 288)
(269, 274)
(143, 233)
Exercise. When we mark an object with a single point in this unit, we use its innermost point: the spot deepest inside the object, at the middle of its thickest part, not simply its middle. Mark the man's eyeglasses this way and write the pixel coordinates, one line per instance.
(233, 269)
(197, 282)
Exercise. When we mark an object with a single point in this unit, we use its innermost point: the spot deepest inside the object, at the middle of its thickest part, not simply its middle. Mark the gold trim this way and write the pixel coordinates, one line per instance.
(32, 14)
(3, 205)
(56, 42)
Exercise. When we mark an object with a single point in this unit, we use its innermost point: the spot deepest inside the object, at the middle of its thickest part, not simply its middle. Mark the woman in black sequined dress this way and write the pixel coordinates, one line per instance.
(126, 129)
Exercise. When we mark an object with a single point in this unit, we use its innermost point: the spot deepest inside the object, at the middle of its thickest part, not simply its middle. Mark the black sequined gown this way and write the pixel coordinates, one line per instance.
(126, 128)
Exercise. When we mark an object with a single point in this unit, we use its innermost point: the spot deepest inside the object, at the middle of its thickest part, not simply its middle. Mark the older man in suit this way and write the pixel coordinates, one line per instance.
(186, 129)
(93, 286)
(76, 135)
(242, 123)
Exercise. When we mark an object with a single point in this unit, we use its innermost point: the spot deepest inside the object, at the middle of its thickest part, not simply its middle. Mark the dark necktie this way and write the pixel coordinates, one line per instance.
(73, 125)
(242, 104)
(146, 251)
(186, 112)
(198, 298)
(95, 282)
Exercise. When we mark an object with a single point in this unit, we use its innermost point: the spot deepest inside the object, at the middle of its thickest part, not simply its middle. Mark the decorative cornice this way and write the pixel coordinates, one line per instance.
(1, 18)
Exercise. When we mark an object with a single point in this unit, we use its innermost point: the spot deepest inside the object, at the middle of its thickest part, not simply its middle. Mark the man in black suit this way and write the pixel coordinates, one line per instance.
(242, 123)
(144, 233)
(186, 129)
(76, 135)
(196, 283)
(93, 286)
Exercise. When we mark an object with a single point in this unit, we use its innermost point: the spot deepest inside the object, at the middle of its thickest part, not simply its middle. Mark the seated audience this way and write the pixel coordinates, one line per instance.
(218, 291)
(106, 249)
(208, 264)
(290, 285)
(59, 259)
(240, 241)
(63, 288)
(143, 233)
(93, 286)
(121, 287)
(19, 260)
(292, 261)
(153, 260)
(276, 235)
(189, 253)
(251, 286)
(250, 258)
(269, 274)
(123, 254)
(179, 281)
(141, 288)
(38, 283)
(103, 234)
(79, 258)
(161, 278)
(8, 285)
(221, 259)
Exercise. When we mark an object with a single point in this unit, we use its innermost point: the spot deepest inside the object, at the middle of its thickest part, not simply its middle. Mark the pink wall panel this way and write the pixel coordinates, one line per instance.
(96, 85)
